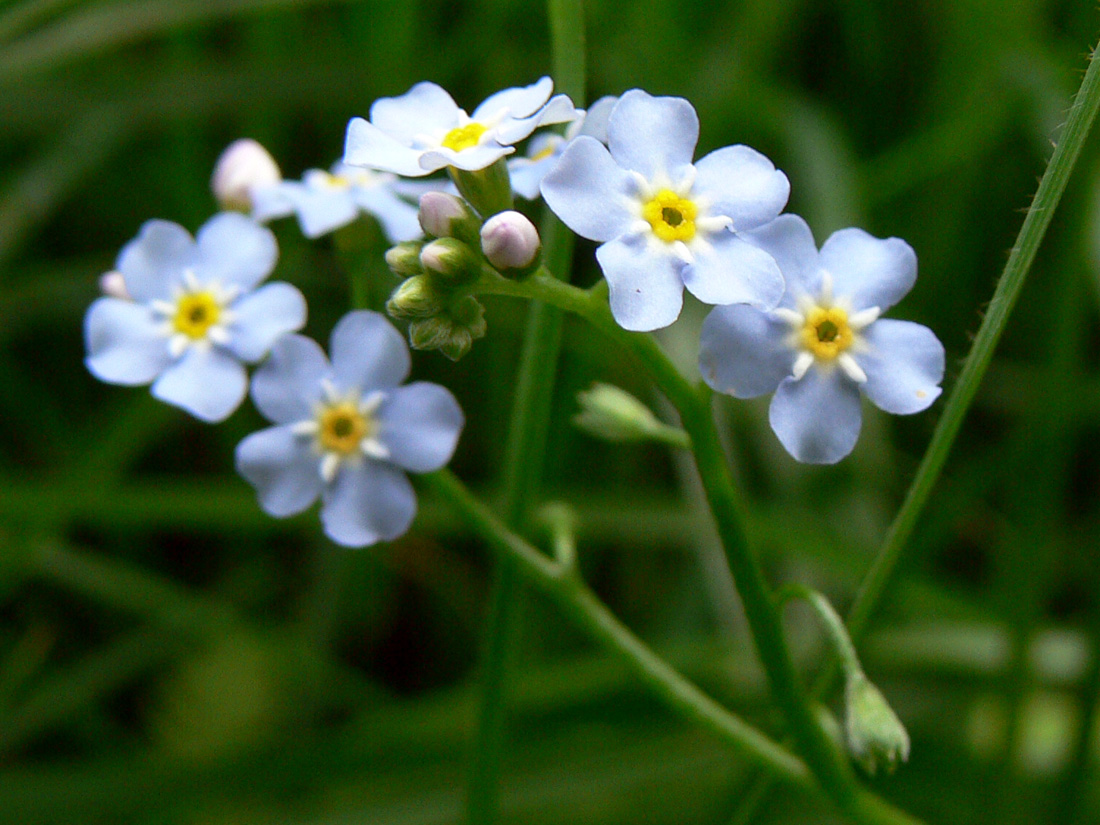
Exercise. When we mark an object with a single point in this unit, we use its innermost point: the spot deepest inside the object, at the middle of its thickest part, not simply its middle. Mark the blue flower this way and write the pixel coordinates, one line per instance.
(825, 344)
(325, 201)
(193, 314)
(545, 148)
(424, 130)
(665, 223)
(346, 431)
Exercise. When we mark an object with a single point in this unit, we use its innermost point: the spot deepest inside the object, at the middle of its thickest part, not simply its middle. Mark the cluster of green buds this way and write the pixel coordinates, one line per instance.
(440, 272)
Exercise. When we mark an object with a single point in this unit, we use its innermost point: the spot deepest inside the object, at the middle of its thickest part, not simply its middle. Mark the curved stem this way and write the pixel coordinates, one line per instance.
(830, 620)
(584, 608)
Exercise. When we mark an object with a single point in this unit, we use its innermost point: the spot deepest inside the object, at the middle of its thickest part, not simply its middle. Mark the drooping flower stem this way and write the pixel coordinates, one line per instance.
(525, 450)
(584, 608)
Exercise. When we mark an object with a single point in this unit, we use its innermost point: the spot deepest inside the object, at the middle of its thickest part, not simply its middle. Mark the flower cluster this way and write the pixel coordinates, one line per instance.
(189, 315)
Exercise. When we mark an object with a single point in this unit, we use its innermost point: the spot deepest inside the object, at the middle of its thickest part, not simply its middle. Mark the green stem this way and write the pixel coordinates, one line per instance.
(584, 608)
(1053, 184)
(524, 454)
(831, 767)
(830, 620)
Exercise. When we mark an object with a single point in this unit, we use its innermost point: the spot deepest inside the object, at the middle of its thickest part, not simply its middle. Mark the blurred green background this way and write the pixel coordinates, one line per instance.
(170, 655)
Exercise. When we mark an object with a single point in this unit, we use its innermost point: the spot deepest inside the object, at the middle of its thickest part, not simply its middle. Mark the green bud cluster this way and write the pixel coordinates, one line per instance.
(438, 272)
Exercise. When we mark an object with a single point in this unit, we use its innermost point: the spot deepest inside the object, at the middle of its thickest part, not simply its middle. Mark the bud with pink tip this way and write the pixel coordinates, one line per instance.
(510, 241)
(443, 215)
(243, 166)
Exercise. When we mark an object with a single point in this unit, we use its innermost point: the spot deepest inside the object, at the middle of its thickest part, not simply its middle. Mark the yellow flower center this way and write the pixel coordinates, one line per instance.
(672, 217)
(543, 154)
(826, 332)
(334, 181)
(196, 313)
(342, 428)
(463, 137)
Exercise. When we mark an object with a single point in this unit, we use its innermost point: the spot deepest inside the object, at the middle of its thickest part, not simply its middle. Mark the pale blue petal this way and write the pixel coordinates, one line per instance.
(320, 211)
(367, 145)
(818, 417)
(518, 102)
(262, 316)
(398, 218)
(367, 504)
(425, 110)
(742, 184)
(869, 271)
(155, 260)
(589, 191)
(368, 353)
(271, 202)
(560, 109)
(472, 159)
(283, 468)
(647, 291)
(653, 135)
(789, 240)
(419, 425)
(236, 250)
(288, 384)
(732, 271)
(743, 351)
(596, 118)
(125, 342)
(208, 383)
(527, 175)
(904, 363)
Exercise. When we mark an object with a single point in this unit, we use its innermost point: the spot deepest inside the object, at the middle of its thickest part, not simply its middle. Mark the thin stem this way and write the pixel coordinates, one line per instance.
(830, 620)
(585, 609)
(524, 455)
(1081, 116)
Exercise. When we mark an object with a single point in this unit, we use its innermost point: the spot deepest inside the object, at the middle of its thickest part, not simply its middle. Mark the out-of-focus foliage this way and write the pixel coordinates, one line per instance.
(169, 655)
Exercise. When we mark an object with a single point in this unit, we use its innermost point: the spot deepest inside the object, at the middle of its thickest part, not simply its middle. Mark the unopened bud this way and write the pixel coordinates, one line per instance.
(404, 259)
(875, 734)
(443, 215)
(113, 284)
(415, 298)
(510, 241)
(613, 414)
(244, 165)
(452, 332)
(451, 259)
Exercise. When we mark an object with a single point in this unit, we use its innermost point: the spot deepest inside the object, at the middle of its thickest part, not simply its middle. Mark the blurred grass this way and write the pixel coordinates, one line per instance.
(168, 654)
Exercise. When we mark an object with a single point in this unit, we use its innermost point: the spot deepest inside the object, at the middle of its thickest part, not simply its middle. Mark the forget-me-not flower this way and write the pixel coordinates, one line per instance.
(825, 344)
(546, 147)
(664, 222)
(346, 431)
(325, 201)
(424, 130)
(194, 315)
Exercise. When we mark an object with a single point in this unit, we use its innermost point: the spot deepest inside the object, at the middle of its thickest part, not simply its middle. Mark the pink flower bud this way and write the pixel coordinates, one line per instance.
(510, 241)
(242, 167)
(438, 211)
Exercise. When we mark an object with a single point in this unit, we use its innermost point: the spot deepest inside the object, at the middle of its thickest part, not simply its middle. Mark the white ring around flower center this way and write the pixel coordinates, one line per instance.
(198, 315)
(344, 429)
